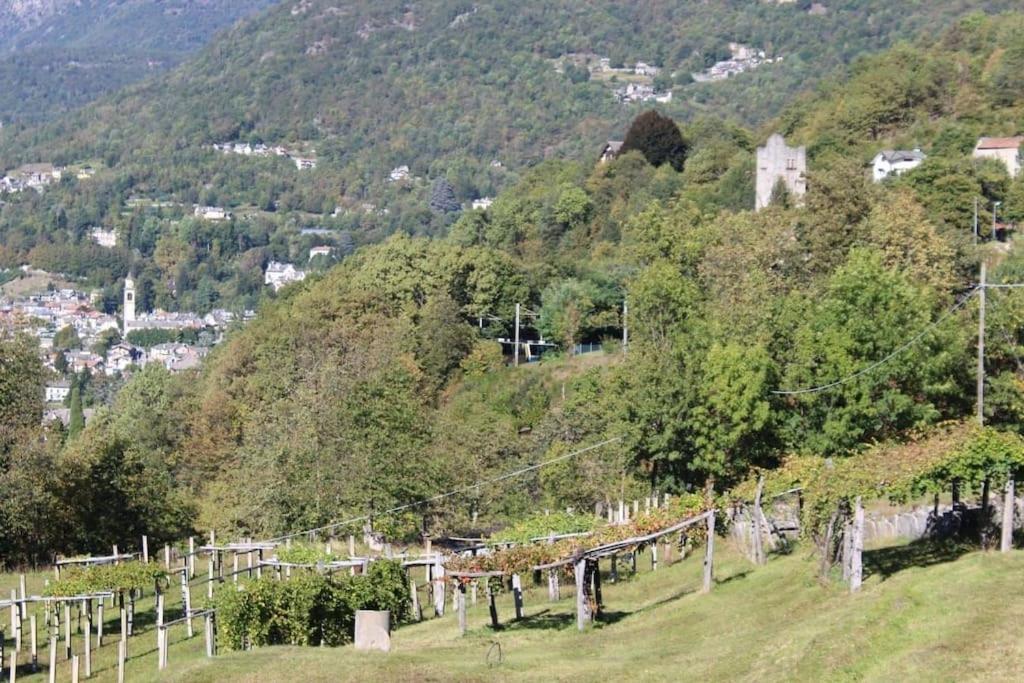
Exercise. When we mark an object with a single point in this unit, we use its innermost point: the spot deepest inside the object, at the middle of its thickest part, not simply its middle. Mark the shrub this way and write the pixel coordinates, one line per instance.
(308, 609)
(116, 578)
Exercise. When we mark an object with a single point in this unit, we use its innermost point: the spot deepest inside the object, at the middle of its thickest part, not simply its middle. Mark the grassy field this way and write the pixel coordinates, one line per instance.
(927, 612)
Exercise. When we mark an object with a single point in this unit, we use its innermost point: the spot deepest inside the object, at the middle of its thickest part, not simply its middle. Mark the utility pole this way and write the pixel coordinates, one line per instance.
(517, 335)
(981, 347)
(625, 327)
(975, 220)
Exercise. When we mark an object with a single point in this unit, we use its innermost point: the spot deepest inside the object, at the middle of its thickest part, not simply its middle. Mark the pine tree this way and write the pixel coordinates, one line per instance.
(442, 197)
(658, 138)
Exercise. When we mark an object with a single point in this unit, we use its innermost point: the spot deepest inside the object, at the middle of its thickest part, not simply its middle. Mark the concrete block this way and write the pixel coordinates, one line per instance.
(373, 630)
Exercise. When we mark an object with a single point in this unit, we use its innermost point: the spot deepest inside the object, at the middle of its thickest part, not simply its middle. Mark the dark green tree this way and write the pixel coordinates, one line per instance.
(658, 138)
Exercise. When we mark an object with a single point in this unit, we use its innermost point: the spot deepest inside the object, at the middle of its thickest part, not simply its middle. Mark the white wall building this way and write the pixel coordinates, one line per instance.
(56, 392)
(1006, 150)
(894, 162)
(104, 238)
(279, 274)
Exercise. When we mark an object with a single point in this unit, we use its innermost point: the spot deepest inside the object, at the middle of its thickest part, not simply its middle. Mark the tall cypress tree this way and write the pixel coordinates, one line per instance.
(77, 421)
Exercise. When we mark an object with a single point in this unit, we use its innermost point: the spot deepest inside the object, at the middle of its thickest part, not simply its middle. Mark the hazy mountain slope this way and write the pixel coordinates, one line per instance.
(58, 54)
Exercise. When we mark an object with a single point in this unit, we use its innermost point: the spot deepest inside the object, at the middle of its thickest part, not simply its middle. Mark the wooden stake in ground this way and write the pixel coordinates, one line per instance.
(1006, 540)
(145, 549)
(583, 614)
(461, 599)
(99, 623)
(67, 629)
(53, 658)
(33, 643)
(122, 654)
(757, 545)
(74, 669)
(191, 557)
(517, 595)
(857, 564)
(186, 599)
(709, 553)
(417, 614)
(492, 606)
(87, 633)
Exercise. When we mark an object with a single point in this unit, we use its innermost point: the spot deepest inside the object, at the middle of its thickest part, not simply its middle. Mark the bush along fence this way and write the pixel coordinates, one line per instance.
(578, 554)
(957, 458)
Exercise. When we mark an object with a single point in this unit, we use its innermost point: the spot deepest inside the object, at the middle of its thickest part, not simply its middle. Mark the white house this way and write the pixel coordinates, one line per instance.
(611, 150)
(304, 164)
(890, 162)
(1006, 150)
(212, 213)
(320, 251)
(122, 356)
(56, 392)
(279, 274)
(399, 173)
(482, 203)
(104, 238)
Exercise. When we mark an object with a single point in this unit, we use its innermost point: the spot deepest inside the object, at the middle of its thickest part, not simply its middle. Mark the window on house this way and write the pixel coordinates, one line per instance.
(790, 164)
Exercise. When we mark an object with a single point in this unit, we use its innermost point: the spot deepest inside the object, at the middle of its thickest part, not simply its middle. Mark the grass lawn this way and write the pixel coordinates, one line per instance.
(927, 612)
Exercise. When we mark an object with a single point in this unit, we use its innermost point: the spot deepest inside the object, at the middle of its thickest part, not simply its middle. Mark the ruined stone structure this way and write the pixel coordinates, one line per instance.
(775, 161)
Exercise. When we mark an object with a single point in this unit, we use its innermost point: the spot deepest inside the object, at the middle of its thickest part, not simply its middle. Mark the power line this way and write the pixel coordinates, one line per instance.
(877, 364)
(448, 494)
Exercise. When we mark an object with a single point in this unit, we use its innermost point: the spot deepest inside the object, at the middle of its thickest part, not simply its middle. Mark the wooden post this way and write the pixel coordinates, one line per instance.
(99, 623)
(21, 591)
(614, 576)
(654, 556)
(186, 599)
(191, 557)
(856, 564)
(426, 555)
(131, 612)
(472, 591)
(439, 589)
(517, 595)
(598, 599)
(757, 545)
(74, 669)
(122, 654)
(124, 624)
(67, 629)
(15, 621)
(709, 552)
(145, 549)
(492, 606)
(248, 560)
(552, 585)
(53, 658)
(160, 634)
(209, 584)
(461, 606)
(1006, 540)
(88, 638)
(234, 566)
(417, 614)
(583, 615)
(208, 634)
(33, 643)
(259, 563)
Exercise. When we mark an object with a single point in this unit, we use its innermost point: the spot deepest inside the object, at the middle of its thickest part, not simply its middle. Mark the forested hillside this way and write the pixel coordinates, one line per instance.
(57, 55)
(379, 383)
